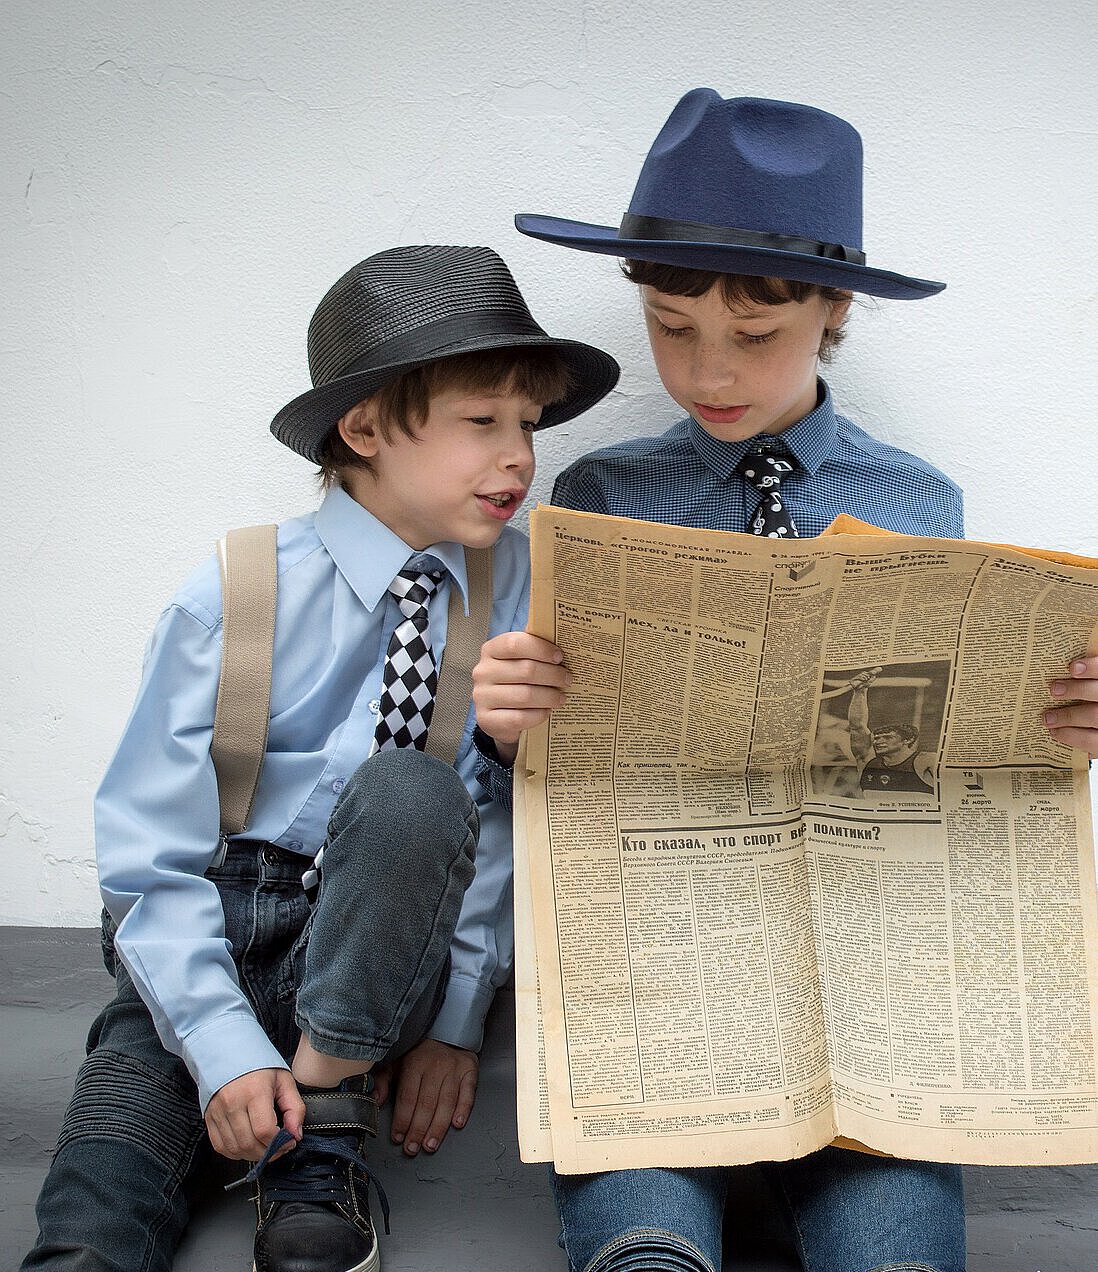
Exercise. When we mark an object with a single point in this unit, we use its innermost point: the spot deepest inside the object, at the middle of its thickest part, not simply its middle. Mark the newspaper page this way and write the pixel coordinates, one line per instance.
(798, 858)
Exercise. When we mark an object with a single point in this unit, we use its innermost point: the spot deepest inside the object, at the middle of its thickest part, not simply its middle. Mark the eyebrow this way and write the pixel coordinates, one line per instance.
(667, 309)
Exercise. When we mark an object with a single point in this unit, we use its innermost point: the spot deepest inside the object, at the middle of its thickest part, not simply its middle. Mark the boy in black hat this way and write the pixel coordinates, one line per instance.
(744, 237)
(430, 377)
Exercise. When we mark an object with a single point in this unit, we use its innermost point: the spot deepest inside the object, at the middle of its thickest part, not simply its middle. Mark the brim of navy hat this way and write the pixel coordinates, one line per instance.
(727, 258)
(304, 423)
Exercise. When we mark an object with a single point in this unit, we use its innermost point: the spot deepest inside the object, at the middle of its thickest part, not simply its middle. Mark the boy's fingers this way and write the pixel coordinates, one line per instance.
(262, 1125)
(217, 1139)
(404, 1106)
(511, 645)
(1086, 689)
(437, 1088)
(441, 1114)
(241, 1117)
(520, 671)
(519, 697)
(1077, 725)
(1081, 739)
(455, 1097)
(1084, 715)
(229, 1133)
(432, 1092)
(238, 1136)
(289, 1103)
(467, 1094)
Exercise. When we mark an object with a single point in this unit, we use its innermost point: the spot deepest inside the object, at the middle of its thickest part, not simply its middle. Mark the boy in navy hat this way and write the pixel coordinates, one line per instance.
(242, 1006)
(744, 237)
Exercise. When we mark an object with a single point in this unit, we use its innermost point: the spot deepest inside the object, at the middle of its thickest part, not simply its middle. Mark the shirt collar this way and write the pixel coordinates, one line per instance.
(810, 440)
(369, 555)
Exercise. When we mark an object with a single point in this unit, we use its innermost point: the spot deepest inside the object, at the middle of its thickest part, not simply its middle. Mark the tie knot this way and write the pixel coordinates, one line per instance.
(766, 470)
(414, 587)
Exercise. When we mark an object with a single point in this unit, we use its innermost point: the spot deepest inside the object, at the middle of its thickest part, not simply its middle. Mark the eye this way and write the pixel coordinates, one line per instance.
(482, 419)
(765, 338)
(528, 426)
(673, 333)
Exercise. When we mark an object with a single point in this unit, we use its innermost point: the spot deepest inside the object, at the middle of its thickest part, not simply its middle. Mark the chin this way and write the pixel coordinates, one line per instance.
(482, 537)
(738, 432)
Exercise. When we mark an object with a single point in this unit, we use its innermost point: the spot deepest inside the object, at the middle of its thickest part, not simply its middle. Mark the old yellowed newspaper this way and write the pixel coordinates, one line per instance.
(797, 860)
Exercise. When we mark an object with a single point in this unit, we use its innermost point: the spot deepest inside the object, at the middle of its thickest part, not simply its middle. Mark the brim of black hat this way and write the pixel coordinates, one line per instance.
(304, 423)
(727, 258)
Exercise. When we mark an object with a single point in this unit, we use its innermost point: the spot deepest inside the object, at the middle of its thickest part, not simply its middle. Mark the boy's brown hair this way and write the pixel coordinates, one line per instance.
(538, 373)
(737, 289)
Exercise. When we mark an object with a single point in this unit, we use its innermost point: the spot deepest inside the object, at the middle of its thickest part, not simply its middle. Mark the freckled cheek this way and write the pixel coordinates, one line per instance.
(682, 371)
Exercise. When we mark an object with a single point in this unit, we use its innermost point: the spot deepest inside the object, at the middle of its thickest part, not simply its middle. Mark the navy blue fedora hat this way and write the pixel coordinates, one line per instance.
(745, 185)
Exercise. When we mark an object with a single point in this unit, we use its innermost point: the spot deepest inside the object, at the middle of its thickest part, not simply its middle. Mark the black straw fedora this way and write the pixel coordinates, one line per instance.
(746, 186)
(407, 306)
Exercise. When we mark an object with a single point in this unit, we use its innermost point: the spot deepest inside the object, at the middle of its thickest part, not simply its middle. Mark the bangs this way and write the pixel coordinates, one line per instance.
(538, 373)
(678, 280)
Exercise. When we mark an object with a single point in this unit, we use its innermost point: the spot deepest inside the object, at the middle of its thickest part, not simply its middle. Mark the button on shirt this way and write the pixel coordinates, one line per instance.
(686, 477)
(156, 813)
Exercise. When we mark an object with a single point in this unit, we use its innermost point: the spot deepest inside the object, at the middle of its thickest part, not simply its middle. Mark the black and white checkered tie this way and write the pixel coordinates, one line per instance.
(408, 681)
(409, 678)
(766, 471)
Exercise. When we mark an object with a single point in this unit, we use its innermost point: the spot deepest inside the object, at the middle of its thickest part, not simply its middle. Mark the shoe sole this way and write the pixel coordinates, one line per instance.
(372, 1263)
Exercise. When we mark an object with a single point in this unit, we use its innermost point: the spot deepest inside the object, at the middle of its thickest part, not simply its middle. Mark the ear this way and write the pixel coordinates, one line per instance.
(837, 311)
(359, 429)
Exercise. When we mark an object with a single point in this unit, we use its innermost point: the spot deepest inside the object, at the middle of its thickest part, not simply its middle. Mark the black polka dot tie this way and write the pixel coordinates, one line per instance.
(765, 470)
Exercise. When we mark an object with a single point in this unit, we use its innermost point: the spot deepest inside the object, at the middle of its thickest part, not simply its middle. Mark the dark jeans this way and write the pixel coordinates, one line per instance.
(848, 1211)
(363, 972)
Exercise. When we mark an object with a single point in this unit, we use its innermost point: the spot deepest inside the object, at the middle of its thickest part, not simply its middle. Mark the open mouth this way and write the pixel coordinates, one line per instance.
(503, 504)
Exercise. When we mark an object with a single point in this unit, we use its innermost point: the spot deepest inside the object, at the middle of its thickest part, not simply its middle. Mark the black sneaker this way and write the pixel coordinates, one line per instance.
(313, 1204)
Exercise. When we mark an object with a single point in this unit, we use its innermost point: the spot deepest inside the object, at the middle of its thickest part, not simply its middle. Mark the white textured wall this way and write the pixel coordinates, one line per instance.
(180, 184)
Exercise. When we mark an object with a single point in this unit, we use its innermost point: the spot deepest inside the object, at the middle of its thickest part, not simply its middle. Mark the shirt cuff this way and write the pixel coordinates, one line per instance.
(496, 777)
(460, 1022)
(226, 1049)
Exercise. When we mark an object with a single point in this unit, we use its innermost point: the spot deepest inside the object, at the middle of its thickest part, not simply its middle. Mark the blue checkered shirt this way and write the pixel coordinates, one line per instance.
(685, 477)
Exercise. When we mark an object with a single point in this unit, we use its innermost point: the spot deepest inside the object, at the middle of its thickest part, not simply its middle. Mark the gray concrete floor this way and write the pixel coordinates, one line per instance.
(474, 1205)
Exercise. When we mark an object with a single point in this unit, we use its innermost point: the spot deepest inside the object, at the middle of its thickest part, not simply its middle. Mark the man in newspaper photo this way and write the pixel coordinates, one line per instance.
(889, 753)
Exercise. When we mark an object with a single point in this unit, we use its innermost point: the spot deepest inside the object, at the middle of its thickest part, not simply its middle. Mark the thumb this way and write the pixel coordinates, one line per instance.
(289, 1103)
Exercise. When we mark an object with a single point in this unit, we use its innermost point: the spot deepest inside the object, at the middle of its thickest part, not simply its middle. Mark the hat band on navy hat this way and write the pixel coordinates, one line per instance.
(656, 228)
(430, 341)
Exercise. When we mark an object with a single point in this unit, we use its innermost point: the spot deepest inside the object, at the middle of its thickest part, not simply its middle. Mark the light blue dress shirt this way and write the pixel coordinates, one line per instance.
(156, 812)
(686, 477)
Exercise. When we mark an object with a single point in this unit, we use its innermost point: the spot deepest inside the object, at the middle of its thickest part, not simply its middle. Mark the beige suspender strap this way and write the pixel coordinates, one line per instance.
(465, 633)
(249, 575)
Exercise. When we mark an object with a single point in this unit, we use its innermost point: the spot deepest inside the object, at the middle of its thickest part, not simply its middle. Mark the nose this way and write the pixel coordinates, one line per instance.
(714, 366)
(517, 452)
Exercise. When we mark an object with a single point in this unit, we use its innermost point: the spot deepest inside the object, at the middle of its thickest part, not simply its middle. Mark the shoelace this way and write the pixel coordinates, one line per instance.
(309, 1175)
